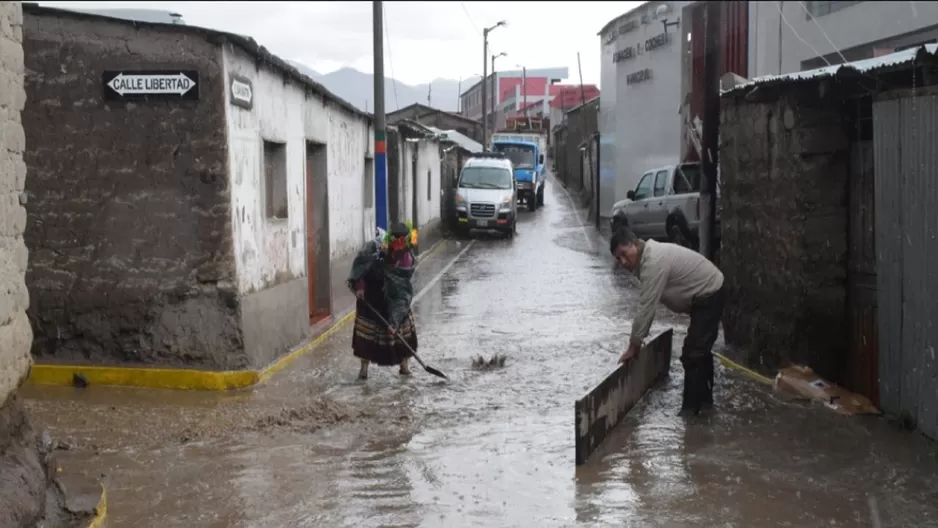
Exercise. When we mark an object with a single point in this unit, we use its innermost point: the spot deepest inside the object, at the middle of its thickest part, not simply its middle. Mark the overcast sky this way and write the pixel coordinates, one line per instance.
(428, 40)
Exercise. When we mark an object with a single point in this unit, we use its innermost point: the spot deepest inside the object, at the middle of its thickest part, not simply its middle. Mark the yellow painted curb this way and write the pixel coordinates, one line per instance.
(184, 379)
(100, 512)
(749, 372)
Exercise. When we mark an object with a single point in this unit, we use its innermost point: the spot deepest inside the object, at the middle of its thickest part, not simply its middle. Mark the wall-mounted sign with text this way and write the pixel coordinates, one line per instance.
(639, 76)
(242, 91)
(136, 85)
(659, 40)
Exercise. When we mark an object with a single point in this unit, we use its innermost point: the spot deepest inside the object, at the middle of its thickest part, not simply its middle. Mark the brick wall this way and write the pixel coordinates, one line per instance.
(784, 166)
(129, 226)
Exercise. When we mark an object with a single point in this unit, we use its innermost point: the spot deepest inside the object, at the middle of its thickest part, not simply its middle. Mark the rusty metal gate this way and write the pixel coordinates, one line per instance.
(905, 130)
(862, 365)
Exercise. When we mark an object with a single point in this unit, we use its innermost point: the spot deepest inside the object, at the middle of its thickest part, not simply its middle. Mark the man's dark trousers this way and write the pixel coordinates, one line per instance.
(697, 354)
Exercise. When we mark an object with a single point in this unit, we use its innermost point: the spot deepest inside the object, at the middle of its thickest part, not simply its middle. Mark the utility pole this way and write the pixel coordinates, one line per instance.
(524, 94)
(485, 76)
(381, 153)
(495, 87)
(710, 160)
(429, 93)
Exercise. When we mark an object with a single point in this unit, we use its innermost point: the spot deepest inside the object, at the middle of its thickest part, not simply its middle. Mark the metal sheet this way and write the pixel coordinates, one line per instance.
(907, 244)
(601, 410)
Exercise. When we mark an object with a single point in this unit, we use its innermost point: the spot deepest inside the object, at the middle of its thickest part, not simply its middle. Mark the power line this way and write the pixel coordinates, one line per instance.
(387, 36)
(826, 36)
(469, 18)
(805, 42)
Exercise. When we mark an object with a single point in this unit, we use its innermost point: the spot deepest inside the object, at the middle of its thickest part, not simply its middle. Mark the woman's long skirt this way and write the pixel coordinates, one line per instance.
(371, 339)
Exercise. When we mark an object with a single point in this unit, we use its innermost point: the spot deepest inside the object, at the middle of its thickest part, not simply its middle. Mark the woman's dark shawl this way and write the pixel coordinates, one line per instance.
(398, 286)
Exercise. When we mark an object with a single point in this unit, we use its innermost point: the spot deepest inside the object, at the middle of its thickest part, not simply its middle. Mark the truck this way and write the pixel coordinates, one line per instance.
(526, 152)
(665, 205)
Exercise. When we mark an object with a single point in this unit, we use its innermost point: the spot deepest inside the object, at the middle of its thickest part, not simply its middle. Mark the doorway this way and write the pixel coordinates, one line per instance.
(317, 233)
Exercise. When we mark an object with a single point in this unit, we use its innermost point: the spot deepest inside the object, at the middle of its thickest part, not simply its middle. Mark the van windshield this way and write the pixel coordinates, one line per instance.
(485, 178)
(521, 156)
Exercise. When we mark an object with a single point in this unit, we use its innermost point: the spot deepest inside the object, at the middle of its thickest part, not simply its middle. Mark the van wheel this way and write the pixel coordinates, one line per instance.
(540, 198)
(532, 202)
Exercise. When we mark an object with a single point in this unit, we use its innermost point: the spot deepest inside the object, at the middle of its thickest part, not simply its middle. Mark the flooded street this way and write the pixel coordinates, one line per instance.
(314, 447)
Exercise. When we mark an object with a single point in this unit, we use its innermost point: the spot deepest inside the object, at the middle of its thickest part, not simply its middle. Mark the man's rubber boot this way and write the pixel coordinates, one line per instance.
(706, 397)
(690, 398)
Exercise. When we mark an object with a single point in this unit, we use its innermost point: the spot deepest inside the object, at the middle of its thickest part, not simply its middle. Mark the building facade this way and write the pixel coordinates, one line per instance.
(792, 36)
(639, 124)
(212, 229)
(506, 85)
(441, 119)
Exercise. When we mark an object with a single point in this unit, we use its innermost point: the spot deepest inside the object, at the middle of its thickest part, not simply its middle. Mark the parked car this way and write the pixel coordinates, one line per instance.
(487, 195)
(665, 205)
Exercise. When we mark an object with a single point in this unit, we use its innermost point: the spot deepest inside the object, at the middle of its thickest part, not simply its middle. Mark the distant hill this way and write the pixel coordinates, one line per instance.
(357, 88)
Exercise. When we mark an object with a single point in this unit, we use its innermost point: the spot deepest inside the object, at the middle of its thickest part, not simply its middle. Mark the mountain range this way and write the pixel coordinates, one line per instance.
(358, 88)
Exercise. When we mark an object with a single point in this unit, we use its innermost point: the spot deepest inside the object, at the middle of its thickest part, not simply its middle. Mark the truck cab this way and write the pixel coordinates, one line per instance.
(527, 157)
(486, 195)
(665, 205)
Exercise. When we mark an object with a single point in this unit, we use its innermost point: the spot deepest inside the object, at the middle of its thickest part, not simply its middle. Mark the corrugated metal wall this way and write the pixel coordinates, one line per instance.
(905, 135)
(862, 362)
(734, 42)
(734, 49)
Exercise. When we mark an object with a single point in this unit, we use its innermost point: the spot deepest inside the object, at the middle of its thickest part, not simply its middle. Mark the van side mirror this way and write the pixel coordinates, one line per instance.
(540, 159)
(630, 195)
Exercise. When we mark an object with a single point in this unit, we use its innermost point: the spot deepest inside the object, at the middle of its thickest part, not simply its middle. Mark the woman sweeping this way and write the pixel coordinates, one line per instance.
(381, 278)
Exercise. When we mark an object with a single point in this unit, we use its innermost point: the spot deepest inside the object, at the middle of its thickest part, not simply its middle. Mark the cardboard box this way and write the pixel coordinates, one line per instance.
(802, 381)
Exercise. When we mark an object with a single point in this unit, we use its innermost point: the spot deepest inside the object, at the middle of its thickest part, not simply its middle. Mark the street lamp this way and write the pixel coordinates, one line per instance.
(485, 67)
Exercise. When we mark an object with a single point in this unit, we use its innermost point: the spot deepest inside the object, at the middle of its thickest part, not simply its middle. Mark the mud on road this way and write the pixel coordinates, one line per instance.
(491, 447)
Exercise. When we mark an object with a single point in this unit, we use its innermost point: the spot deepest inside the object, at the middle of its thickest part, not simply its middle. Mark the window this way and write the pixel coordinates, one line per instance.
(661, 180)
(368, 187)
(485, 178)
(521, 156)
(821, 8)
(644, 188)
(687, 178)
(429, 185)
(275, 179)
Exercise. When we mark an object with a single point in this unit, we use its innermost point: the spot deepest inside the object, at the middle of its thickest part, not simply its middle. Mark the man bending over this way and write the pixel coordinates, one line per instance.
(685, 282)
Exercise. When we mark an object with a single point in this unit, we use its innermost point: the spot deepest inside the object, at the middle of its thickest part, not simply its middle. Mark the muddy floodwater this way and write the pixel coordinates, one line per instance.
(489, 448)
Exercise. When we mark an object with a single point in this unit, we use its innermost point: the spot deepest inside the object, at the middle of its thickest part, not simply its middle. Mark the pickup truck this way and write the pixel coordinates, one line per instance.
(528, 161)
(665, 205)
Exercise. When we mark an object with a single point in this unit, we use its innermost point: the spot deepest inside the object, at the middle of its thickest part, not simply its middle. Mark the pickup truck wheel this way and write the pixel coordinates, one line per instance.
(532, 202)
(675, 236)
(540, 197)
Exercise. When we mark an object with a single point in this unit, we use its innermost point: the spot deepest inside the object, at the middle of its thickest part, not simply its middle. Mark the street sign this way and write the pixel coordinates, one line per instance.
(601, 410)
(242, 91)
(129, 85)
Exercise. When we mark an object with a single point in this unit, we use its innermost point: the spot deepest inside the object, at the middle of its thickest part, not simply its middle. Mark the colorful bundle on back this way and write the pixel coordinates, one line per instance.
(405, 242)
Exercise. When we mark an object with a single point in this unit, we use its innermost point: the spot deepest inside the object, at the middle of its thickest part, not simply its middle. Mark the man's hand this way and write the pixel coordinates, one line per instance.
(391, 331)
(630, 353)
(360, 294)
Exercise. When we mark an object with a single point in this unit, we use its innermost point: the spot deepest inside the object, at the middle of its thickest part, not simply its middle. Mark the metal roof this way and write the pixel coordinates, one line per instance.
(458, 138)
(892, 60)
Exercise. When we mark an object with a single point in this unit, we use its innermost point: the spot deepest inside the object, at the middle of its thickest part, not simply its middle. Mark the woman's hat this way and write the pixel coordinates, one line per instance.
(399, 230)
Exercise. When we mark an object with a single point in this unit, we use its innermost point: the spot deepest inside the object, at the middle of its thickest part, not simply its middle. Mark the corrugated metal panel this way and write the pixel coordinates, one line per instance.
(735, 37)
(905, 133)
(862, 66)
(862, 375)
